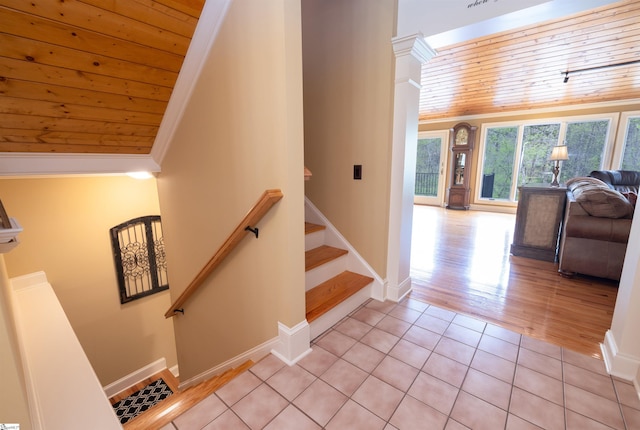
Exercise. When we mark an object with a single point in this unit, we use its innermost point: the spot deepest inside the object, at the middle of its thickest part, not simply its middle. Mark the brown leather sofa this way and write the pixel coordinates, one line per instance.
(597, 222)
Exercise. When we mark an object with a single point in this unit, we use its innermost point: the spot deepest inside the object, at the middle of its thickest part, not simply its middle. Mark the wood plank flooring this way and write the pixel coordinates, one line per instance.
(182, 400)
(168, 377)
(461, 261)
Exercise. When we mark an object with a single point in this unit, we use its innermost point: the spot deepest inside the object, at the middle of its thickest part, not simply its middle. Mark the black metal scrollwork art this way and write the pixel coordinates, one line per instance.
(138, 252)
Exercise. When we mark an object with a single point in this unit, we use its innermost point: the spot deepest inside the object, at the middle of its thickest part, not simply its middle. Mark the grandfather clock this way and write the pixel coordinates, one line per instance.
(463, 137)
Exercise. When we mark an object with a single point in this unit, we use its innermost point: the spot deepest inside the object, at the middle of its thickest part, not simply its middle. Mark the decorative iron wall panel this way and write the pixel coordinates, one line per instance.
(138, 252)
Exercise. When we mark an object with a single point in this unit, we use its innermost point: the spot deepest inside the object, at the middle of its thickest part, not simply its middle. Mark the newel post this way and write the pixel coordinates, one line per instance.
(411, 53)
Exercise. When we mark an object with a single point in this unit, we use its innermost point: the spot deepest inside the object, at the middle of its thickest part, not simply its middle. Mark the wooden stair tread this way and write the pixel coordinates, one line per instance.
(321, 255)
(312, 228)
(332, 292)
(178, 403)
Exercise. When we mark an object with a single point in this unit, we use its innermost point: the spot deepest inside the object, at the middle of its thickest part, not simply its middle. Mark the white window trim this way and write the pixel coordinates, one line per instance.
(444, 162)
(611, 144)
(621, 138)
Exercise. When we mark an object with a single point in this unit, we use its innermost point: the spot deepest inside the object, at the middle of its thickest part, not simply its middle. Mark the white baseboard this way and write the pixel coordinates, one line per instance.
(294, 342)
(254, 354)
(134, 377)
(620, 364)
(175, 371)
(397, 293)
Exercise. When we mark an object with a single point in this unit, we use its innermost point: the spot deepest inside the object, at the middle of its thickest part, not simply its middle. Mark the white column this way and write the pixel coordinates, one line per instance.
(411, 52)
(621, 347)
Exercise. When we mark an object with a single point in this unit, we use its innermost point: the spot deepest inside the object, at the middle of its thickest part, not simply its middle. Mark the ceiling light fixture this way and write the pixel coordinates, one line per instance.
(140, 175)
(590, 69)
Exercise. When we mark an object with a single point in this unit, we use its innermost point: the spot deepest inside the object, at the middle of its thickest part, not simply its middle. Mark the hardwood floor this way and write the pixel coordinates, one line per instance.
(179, 402)
(461, 261)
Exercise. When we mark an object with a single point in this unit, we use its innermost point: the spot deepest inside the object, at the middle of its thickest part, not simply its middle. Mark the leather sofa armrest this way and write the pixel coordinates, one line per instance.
(573, 207)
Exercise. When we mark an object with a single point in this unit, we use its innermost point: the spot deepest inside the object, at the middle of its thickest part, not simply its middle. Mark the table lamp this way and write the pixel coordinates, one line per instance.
(558, 153)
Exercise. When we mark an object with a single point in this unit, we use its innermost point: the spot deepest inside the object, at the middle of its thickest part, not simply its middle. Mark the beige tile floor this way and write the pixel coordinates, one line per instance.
(415, 366)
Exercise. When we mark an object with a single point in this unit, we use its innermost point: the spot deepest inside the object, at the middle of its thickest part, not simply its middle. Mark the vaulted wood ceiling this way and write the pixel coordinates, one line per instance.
(95, 76)
(89, 76)
(521, 69)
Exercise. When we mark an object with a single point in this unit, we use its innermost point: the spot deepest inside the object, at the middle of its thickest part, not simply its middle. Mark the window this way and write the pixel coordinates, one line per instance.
(428, 166)
(515, 154)
(499, 156)
(586, 142)
(631, 146)
(537, 143)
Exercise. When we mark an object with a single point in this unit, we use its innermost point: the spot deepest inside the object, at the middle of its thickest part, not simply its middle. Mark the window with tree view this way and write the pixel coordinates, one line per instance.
(427, 166)
(631, 151)
(518, 154)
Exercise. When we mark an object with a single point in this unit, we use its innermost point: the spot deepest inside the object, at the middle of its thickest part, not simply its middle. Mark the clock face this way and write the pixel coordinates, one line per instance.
(462, 136)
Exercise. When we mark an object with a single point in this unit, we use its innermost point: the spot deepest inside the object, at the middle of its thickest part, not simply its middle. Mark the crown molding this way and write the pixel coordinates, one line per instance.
(204, 36)
(533, 111)
(414, 45)
(19, 164)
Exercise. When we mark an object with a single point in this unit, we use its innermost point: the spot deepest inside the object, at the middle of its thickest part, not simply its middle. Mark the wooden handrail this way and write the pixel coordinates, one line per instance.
(262, 206)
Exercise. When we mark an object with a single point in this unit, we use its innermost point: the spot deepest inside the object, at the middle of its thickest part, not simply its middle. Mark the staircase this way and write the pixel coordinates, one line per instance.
(332, 290)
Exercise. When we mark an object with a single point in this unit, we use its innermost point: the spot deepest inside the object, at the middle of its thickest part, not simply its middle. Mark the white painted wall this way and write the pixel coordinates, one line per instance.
(63, 390)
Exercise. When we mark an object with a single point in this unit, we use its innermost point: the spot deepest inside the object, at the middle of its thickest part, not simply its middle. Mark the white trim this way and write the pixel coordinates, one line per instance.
(204, 36)
(617, 363)
(26, 164)
(30, 280)
(175, 371)
(621, 138)
(43, 342)
(254, 354)
(531, 112)
(395, 294)
(355, 262)
(438, 200)
(294, 342)
(414, 45)
(562, 121)
(135, 377)
(503, 209)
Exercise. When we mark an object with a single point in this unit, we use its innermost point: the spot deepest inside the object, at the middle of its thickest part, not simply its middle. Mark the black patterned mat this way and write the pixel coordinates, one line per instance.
(132, 406)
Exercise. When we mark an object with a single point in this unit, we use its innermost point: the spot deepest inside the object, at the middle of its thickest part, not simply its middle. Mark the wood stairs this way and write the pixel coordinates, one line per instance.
(180, 401)
(331, 284)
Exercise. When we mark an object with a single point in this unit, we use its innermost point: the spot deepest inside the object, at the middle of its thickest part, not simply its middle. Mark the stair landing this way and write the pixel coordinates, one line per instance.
(179, 402)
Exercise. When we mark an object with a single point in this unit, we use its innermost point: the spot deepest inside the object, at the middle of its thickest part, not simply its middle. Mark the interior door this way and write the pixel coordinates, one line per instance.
(431, 161)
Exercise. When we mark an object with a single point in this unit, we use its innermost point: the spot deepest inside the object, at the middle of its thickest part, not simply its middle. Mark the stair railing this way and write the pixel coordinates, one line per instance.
(259, 210)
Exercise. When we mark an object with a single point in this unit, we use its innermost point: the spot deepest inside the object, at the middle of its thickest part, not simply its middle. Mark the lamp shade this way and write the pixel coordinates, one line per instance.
(559, 153)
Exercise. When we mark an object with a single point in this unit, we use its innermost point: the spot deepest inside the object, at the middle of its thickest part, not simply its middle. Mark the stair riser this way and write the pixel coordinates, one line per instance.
(329, 319)
(328, 270)
(313, 240)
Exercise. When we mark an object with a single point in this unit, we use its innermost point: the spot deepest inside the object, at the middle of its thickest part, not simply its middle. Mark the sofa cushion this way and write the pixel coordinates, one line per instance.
(598, 200)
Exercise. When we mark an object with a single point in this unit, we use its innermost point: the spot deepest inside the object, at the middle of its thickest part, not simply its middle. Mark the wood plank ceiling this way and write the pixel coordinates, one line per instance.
(89, 76)
(521, 69)
(95, 76)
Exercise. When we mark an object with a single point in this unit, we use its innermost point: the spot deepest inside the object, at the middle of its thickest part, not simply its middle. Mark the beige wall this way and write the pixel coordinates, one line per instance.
(241, 133)
(66, 225)
(348, 110)
(426, 125)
